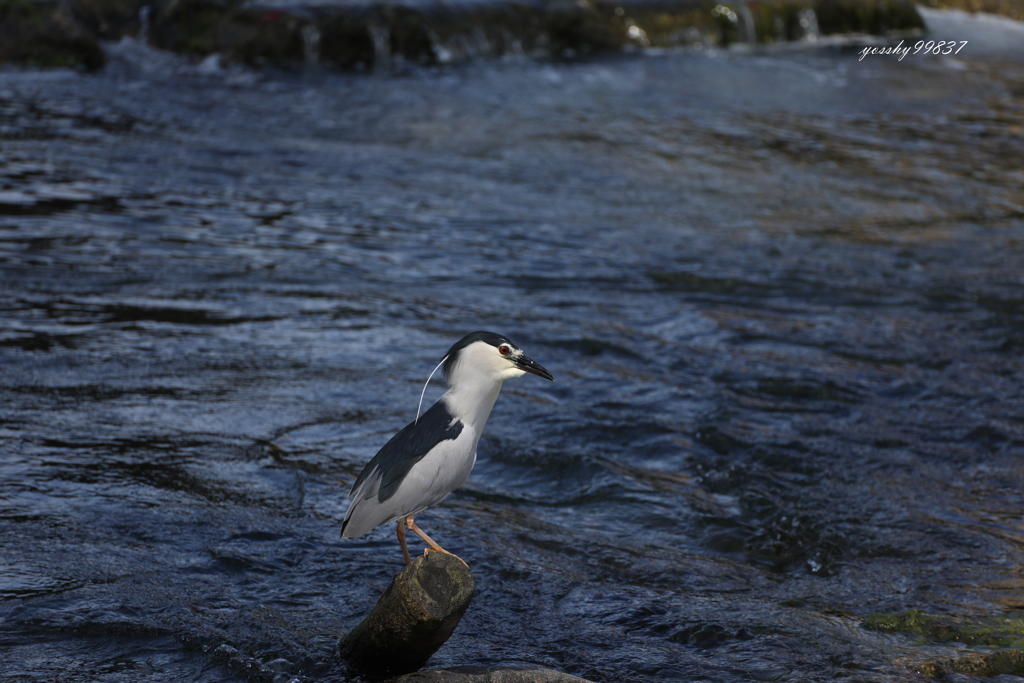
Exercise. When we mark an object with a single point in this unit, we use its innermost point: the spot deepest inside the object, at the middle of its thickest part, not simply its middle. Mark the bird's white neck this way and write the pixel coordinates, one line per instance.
(474, 383)
(471, 402)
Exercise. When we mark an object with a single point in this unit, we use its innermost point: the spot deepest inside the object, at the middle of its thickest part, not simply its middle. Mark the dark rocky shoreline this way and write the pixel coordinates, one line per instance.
(353, 35)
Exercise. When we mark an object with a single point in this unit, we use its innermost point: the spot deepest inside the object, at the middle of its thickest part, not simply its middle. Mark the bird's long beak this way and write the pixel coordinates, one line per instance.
(524, 363)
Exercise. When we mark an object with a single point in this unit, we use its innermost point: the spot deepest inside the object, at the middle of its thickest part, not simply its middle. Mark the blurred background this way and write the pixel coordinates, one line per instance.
(779, 281)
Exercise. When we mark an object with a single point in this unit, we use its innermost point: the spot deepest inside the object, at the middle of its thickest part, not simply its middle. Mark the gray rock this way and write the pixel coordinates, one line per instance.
(415, 616)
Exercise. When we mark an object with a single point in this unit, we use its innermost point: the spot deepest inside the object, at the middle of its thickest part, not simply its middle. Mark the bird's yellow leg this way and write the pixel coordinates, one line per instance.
(401, 539)
(430, 542)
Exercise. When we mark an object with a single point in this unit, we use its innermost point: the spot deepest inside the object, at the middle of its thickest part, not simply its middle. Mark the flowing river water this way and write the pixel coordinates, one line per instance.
(781, 292)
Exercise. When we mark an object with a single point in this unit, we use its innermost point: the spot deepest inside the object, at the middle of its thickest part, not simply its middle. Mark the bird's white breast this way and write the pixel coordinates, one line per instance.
(445, 468)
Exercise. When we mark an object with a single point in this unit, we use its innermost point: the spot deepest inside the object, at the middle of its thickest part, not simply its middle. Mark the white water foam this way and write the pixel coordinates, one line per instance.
(987, 34)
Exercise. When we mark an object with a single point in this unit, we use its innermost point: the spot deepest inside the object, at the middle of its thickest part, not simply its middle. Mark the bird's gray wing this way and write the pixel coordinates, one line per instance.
(393, 462)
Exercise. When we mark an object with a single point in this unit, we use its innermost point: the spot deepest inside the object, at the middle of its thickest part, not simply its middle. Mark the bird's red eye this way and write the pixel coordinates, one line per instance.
(503, 350)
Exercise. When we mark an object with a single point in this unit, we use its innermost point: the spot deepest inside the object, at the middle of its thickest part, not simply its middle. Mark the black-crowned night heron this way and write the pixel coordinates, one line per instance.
(432, 456)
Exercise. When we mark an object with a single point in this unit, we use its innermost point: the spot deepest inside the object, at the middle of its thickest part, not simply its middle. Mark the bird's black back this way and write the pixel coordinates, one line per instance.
(408, 447)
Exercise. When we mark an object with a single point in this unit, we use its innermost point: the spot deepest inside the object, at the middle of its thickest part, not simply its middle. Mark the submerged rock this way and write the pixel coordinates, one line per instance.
(415, 616)
(1002, 662)
(1002, 631)
(1005, 631)
(489, 674)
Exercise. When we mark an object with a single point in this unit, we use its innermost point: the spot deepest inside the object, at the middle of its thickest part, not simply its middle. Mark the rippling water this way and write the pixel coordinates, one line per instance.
(781, 292)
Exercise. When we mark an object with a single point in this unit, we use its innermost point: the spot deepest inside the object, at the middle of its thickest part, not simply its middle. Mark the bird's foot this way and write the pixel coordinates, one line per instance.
(439, 549)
